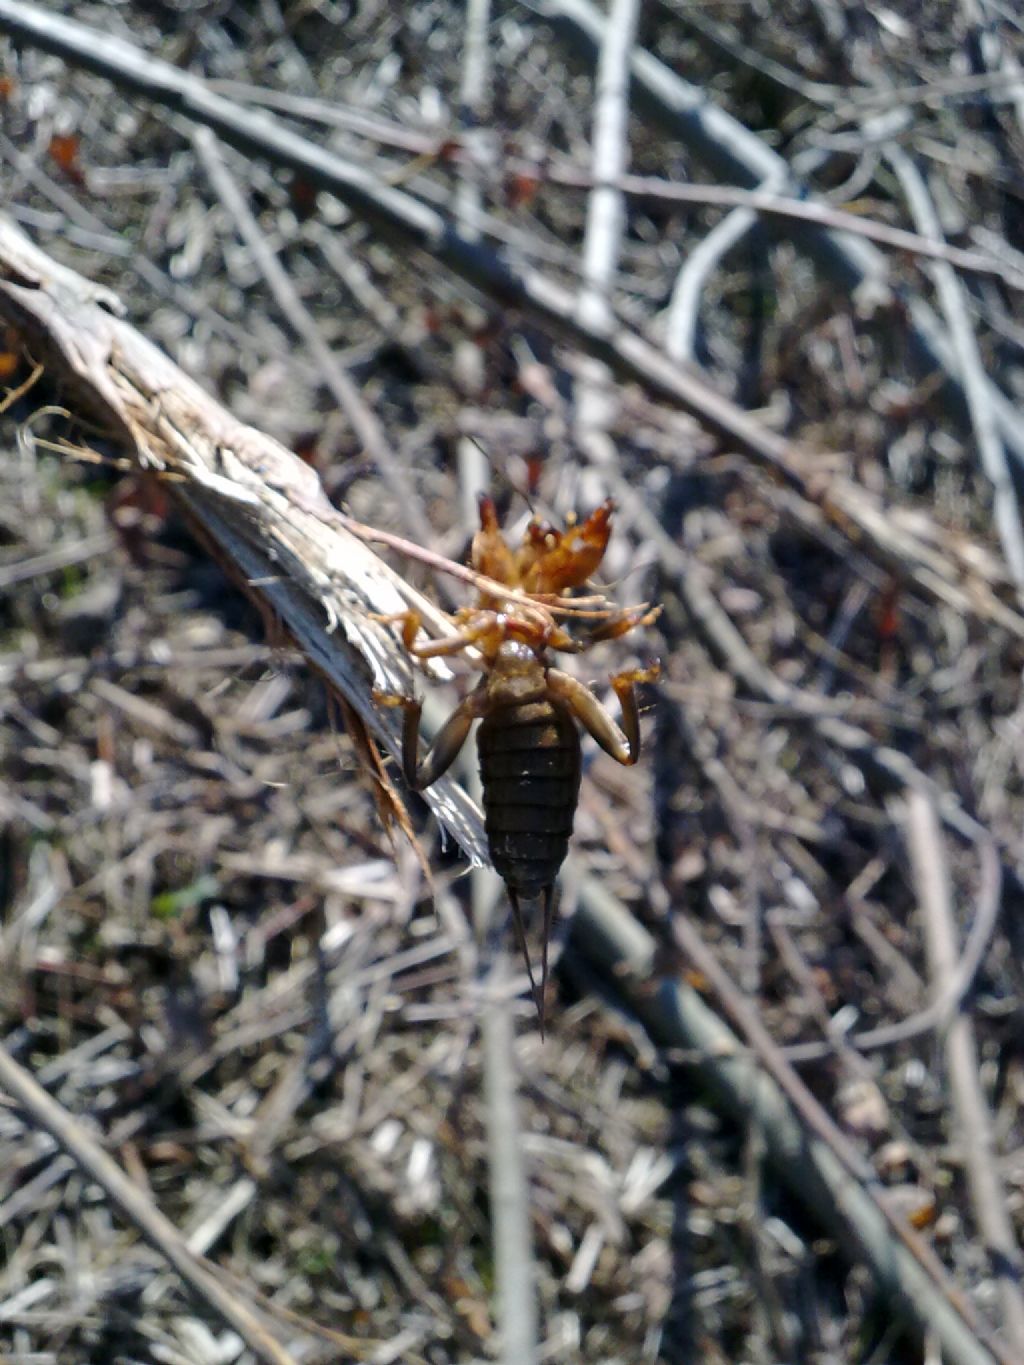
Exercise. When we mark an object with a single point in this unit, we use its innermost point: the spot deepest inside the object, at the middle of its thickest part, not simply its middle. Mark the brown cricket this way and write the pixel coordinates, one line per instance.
(528, 742)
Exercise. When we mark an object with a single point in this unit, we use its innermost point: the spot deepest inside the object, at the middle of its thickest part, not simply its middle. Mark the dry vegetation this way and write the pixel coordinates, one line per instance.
(212, 956)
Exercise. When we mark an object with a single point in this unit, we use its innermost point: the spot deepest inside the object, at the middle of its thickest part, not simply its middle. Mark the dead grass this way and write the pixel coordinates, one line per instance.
(210, 952)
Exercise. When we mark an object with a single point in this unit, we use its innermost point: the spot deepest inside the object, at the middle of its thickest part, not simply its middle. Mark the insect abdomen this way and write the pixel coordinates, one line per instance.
(530, 769)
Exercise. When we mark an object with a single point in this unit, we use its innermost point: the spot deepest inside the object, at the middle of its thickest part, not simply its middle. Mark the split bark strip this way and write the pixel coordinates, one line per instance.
(823, 1170)
(137, 1208)
(952, 575)
(970, 1104)
(259, 508)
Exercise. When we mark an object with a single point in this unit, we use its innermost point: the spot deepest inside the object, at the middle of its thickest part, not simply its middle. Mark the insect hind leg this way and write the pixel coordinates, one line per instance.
(623, 744)
(422, 773)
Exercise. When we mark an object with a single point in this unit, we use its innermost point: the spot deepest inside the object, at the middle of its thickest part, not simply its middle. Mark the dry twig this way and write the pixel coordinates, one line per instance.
(970, 1105)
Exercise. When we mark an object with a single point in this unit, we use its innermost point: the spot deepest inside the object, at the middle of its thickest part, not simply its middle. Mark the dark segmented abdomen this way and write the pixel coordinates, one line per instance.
(530, 768)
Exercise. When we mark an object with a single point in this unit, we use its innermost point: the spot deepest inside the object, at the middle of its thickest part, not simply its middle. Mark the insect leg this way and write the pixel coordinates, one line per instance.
(623, 621)
(420, 774)
(622, 744)
(481, 628)
(410, 621)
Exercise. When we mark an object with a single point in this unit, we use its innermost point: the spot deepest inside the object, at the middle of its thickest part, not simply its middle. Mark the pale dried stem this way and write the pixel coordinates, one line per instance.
(972, 375)
(970, 1103)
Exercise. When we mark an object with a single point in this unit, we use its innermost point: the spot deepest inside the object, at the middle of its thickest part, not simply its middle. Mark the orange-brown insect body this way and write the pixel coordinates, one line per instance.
(528, 742)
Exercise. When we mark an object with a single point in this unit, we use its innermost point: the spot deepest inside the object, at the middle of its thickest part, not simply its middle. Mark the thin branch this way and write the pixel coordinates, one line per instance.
(984, 418)
(472, 99)
(602, 240)
(683, 312)
(970, 1105)
(515, 1274)
(510, 1197)
(547, 165)
(474, 471)
(536, 606)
